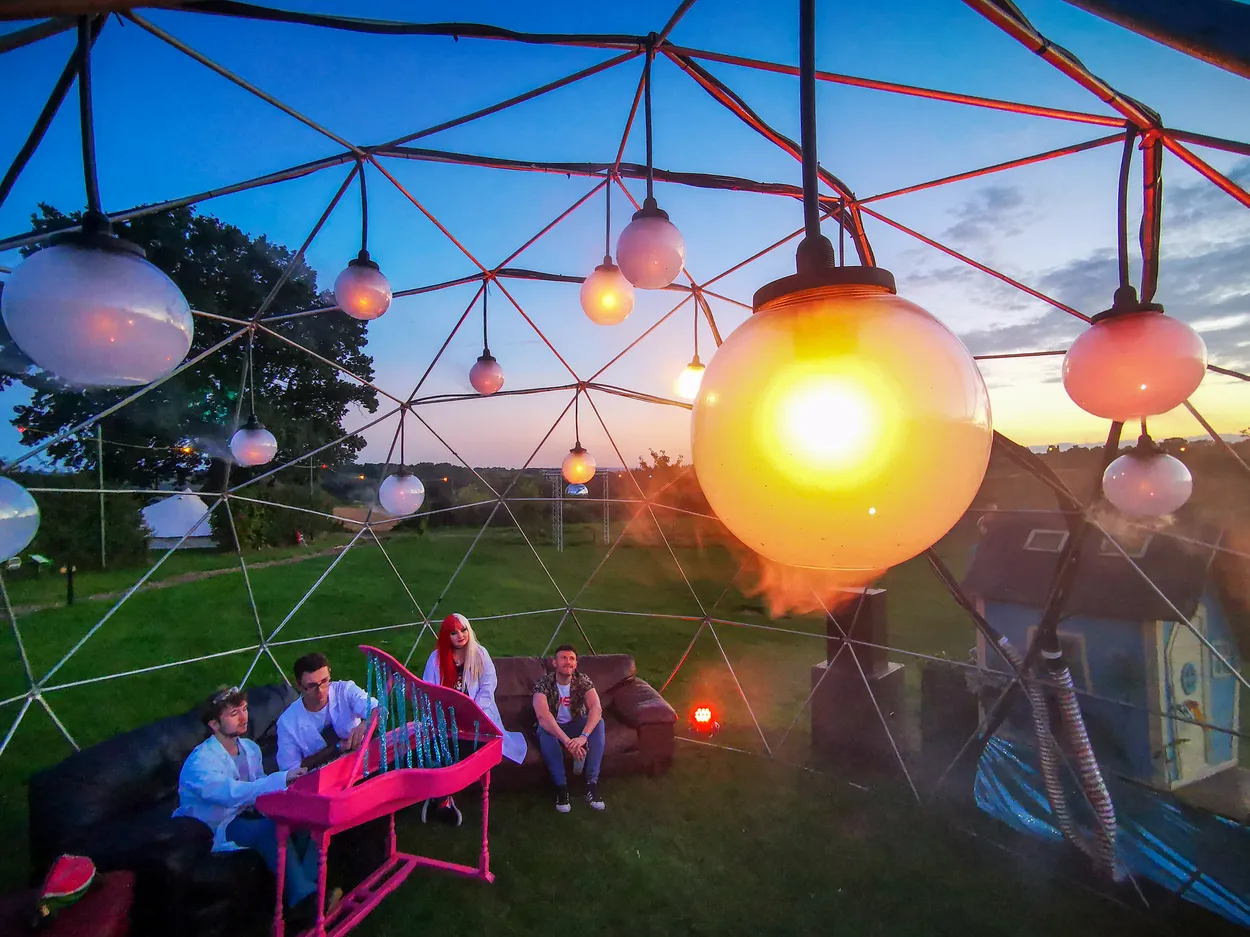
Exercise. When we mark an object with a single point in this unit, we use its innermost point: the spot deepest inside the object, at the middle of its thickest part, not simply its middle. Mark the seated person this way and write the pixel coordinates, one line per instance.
(218, 785)
(325, 721)
(570, 719)
(459, 662)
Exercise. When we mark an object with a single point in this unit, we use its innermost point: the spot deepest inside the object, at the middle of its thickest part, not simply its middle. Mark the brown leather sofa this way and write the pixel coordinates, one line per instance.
(638, 723)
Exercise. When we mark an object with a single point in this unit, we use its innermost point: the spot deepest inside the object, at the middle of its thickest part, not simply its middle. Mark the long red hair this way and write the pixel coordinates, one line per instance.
(446, 663)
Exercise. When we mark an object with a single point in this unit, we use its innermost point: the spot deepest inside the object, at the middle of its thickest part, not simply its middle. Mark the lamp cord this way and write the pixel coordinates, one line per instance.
(86, 121)
(577, 429)
(807, 116)
(364, 210)
(485, 339)
(251, 373)
(697, 299)
(607, 224)
(1126, 160)
(647, 112)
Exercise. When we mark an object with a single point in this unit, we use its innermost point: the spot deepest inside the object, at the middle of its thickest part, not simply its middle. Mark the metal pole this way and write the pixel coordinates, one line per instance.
(99, 464)
(607, 523)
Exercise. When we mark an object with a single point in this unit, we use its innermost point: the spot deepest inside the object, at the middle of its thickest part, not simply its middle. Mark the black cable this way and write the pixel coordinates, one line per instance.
(646, 80)
(697, 298)
(842, 234)
(1130, 136)
(807, 117)
(251, 372)
(364, 210)
(84, 115)
(577, 429)
(607, 234)
(485, 339)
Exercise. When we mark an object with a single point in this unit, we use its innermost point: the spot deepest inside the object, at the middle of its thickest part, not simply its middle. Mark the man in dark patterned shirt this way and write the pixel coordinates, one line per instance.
(570, 719)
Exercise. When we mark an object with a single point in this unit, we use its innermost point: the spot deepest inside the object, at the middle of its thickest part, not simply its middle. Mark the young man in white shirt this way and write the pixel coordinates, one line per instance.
(325, 709)
(570, 719)
(219, 784)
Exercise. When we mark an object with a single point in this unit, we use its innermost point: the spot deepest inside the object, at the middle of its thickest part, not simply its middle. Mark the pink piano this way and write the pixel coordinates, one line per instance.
(357, 787)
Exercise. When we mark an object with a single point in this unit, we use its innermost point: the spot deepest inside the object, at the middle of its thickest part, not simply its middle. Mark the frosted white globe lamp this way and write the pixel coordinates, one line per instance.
(19, 518)
(361, 290)
(840, 427)
(1133, 361)
(92, 310)
(1147, 482)
(486, 375)
(690, 378)
(607, 297)
(578, 466)
(253, 444)
(401, 494)
(650, 251)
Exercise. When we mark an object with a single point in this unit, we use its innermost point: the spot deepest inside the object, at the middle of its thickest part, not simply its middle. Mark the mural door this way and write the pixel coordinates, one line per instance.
(1186, 688)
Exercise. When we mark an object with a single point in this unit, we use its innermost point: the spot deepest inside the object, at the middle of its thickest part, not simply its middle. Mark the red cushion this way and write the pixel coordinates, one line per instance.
(103, 912)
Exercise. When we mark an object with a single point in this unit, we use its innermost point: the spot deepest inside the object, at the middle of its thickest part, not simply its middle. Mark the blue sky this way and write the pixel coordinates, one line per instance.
(167, 126)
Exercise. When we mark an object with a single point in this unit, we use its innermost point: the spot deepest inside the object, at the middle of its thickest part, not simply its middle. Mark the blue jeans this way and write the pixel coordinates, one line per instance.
(261, 835)
(553, 751)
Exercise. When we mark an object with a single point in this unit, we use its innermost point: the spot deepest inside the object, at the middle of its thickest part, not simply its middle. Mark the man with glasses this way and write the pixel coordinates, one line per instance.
(219, 784)
(326, 720)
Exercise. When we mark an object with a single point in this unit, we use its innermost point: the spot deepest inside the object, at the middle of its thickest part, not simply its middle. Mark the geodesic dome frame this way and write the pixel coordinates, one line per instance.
(1133, 123)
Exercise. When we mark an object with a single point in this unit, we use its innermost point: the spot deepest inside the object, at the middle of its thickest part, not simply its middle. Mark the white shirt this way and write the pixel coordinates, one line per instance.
(299, 731)
(482, 692)
(563, 713)
(210, 790)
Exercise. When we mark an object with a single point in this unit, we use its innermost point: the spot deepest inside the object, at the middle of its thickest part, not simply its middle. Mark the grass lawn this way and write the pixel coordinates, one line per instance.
(726, 842)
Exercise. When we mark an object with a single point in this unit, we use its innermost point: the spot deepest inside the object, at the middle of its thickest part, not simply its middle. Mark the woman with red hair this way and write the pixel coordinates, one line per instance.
(460, 662)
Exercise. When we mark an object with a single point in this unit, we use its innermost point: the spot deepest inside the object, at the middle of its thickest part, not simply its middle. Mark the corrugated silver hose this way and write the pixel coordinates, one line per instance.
(1087, 765)
(1048, 752)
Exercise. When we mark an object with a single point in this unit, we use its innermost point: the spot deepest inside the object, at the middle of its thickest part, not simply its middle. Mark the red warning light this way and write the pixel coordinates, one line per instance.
(703, 720)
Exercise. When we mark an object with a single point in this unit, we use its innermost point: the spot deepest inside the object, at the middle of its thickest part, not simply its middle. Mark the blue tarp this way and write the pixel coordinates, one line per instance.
(1158, 837)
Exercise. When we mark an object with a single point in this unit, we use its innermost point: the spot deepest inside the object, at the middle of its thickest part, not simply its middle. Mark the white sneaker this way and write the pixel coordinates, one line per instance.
(562, 802)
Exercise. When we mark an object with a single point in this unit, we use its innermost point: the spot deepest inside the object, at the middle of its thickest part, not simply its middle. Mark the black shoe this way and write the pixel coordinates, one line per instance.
(562, 800)
(449, 813)
(593, 800)
(302, 915)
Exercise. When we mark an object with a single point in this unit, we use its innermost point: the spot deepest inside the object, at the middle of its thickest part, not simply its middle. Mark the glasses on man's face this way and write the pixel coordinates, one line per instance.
(319, 685)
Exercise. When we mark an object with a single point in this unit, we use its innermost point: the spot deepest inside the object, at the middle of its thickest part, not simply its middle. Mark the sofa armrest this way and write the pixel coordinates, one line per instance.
(636, 703)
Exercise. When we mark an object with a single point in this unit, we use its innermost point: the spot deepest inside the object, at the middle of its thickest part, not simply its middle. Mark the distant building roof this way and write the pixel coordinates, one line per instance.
(1017, 557)
(177, 516)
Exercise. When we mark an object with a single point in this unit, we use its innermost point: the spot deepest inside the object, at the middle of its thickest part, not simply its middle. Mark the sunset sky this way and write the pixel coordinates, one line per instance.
(167, 126)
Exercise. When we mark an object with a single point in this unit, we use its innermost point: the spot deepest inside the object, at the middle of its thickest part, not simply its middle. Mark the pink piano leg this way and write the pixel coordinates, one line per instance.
(282, 832)
(483, 866)
(322, 842)
(392, 846)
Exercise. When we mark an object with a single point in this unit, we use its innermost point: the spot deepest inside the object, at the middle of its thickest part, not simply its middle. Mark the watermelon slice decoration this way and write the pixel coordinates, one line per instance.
(67, 881)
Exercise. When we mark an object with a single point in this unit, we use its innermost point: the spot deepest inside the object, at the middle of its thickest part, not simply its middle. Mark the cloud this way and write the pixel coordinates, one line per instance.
(994, 212)
(1204, 279)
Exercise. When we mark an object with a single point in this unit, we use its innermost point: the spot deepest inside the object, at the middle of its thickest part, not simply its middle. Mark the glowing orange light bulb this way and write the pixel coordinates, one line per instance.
(841, 427)
(1132, 365)
(607, 297)
(578, 466)
(690, 378)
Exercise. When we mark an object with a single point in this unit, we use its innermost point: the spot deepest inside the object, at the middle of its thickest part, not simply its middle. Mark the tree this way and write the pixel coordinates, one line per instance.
(181, 428)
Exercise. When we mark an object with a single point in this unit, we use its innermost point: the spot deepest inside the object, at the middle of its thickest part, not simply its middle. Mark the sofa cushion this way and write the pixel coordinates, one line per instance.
(517, 676)
(608, 671)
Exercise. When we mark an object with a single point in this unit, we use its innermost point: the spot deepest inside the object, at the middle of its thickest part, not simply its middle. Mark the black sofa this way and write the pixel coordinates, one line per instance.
(113, 802)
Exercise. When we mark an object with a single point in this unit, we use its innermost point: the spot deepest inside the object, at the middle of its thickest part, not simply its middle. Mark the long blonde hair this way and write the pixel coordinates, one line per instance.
(472, 653)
